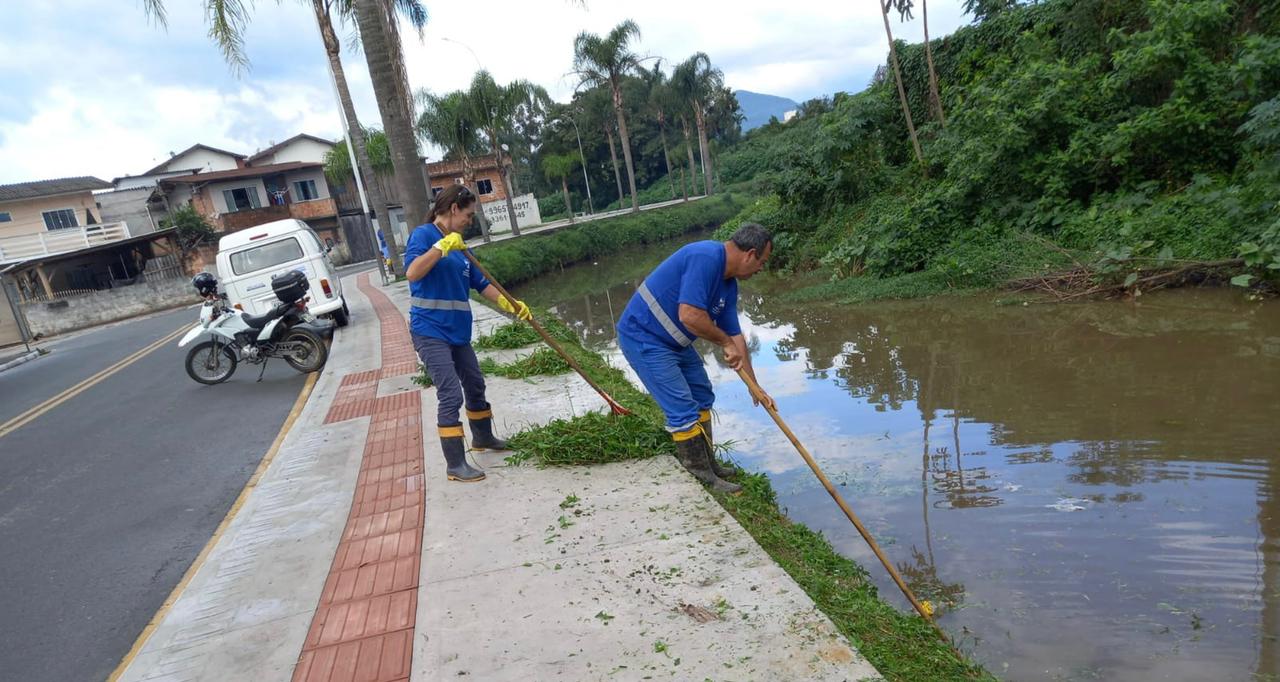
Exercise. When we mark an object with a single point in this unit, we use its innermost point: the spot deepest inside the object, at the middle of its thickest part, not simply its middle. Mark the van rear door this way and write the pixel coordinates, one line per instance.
(253, 266)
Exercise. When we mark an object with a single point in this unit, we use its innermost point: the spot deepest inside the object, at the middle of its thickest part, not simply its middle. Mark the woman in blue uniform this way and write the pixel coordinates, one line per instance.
(440, 279)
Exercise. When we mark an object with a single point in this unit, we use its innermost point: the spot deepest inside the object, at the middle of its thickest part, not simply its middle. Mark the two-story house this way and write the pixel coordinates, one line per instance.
(236, 192)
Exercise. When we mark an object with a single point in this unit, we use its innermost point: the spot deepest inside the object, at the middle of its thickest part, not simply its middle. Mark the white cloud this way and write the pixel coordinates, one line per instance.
(92, 88)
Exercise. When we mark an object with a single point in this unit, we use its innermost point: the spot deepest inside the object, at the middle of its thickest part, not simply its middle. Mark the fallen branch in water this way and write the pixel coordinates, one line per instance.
(1084, 281)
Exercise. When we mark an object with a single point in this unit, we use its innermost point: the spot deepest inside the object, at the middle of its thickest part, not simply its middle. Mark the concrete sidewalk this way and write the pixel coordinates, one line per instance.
(619, 572)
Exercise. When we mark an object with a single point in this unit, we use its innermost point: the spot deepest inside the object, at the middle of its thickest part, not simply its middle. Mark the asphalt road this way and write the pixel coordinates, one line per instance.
(106, 499)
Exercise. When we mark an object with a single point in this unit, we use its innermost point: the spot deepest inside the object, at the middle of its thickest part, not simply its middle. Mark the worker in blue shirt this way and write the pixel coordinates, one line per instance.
(693, 293)
(440, 279)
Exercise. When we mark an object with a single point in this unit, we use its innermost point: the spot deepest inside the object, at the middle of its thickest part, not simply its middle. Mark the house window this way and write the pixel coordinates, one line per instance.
(241, 199)
(305, 190)
(485, 186)
(60, 219)
(5, 217)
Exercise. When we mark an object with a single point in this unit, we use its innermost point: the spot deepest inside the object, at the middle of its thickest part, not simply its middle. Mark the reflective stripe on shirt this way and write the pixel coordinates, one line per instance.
(661, 315)
(439, 304)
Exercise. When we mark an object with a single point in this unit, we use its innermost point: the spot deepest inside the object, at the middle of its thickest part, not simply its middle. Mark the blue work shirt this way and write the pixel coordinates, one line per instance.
(440, 307)
(693, 275)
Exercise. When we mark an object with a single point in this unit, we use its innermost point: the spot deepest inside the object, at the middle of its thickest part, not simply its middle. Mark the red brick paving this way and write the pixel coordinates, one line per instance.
(362, 630)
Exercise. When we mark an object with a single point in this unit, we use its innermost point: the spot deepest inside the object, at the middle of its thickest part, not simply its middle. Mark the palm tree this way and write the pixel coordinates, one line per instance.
(928, 56)
(493, 107)
(561, 165)
(657, 103)
(377, 34)
(449, 121)
(885, 5)
(697, 81)
(604, 61)
(227, 22)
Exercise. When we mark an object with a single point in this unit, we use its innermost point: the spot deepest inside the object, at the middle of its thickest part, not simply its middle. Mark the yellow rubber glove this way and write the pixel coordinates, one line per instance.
(451, 242)
(520, 310)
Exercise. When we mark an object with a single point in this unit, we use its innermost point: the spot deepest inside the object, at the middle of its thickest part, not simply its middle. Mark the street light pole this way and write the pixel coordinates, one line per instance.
(371, 216)
(582, 156)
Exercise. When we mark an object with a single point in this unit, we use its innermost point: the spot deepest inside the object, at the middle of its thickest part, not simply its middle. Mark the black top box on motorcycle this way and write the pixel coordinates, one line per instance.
(290, 287)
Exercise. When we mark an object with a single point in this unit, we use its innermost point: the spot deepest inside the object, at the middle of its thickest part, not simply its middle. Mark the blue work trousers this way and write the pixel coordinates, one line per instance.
(676, 379)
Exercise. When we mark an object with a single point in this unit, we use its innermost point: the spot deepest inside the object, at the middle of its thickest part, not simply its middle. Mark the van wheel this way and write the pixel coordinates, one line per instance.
(342, 317)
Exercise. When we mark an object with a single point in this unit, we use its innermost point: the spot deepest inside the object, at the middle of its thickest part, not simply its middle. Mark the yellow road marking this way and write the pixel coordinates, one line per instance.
(26, 417)
(217, 534)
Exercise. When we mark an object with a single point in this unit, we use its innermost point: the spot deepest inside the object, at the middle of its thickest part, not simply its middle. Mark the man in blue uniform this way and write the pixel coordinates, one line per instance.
(693, 293)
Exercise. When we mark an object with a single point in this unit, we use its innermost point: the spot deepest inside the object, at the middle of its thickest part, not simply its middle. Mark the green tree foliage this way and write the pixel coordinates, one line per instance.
(1143, 130)
(192, 229)
(337, 161)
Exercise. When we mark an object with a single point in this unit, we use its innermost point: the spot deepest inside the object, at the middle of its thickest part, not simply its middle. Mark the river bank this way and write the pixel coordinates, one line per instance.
(1102, 466)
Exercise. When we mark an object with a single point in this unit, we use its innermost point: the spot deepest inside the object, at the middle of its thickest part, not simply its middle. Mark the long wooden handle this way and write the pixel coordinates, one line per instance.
(613, 404)
(756, 392)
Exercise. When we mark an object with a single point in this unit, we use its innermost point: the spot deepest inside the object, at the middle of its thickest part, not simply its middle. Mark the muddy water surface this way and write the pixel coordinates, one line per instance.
(1089, 491)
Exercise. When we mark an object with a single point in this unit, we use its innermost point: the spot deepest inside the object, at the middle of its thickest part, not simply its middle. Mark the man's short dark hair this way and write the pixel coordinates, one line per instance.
(751, 236)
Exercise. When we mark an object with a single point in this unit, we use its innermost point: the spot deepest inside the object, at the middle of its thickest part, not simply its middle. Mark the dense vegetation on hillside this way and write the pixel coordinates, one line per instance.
(1113, 139)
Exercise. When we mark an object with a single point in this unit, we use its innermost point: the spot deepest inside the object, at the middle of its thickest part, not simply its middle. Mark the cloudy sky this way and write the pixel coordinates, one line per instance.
(93, 88)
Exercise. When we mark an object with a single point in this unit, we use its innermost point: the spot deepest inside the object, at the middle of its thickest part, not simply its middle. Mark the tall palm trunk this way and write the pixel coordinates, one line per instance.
(688, 147)
(506, 184)
(933, 74)
(704, 149)
(393, 107)
(395, 49)
(355, 132)
(469, 181)
(666, 153)
(564, 185)
(684, 187)
(626, 144)
(897, 75)
(614, 156)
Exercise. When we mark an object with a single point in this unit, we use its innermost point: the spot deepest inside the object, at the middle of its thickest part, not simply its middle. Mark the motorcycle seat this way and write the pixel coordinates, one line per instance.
(260, 321)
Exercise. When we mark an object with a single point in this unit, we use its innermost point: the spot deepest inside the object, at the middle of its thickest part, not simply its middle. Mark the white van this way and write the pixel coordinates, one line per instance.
(249, 258)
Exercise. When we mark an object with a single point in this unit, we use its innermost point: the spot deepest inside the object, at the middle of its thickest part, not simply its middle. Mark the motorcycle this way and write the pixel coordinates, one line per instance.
(287, 331)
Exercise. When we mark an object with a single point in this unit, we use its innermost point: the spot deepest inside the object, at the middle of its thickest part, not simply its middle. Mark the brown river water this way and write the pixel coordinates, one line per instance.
(1087, 491)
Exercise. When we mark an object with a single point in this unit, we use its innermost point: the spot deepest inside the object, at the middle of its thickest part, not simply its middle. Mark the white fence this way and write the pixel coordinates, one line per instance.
(26, 247)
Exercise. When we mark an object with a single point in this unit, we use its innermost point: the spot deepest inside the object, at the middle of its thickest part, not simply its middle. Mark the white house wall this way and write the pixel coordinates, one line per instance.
(305, 150)
(203, 159)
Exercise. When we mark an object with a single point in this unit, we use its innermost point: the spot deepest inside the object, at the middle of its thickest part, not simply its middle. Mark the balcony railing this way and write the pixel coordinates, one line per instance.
(53, 242)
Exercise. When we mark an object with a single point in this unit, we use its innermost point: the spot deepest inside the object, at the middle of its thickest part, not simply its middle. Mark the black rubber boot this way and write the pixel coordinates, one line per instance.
(727, 472)
(695, 455)
(482, 437)
(455, 456)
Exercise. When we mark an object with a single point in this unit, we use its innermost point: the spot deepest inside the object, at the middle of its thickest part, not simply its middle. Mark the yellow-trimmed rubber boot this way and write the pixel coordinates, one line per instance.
(695, 454)
(727, 472)
(455, 456)
(482, 437)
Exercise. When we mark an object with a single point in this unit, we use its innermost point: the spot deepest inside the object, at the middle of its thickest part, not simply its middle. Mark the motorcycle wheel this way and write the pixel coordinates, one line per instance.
(312, 352)
(210, 364)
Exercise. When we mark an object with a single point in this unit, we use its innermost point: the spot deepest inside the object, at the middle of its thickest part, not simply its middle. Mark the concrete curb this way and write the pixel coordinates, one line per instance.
(21, 359)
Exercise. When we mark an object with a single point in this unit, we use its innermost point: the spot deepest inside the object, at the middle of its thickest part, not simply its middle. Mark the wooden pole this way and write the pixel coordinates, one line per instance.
(613, 404)
(866, 535)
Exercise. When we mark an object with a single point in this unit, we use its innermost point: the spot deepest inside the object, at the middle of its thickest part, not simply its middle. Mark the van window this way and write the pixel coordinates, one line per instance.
(265, 256)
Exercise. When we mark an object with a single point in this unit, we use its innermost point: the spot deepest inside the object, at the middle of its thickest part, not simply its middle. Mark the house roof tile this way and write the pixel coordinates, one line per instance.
(41, 188)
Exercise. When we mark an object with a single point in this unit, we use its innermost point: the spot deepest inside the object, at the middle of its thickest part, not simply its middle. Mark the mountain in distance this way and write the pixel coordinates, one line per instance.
(758, 107)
